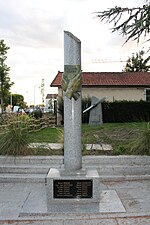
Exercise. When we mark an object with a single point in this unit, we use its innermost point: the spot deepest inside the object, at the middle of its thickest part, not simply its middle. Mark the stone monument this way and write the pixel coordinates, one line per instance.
(72, 188)
(96, 117)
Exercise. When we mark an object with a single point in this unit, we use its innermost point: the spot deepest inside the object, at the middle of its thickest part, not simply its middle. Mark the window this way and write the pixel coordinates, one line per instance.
(147, 95)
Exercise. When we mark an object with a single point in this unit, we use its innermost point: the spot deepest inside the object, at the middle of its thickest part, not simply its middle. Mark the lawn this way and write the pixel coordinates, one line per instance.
(119, 135)
(48, 134)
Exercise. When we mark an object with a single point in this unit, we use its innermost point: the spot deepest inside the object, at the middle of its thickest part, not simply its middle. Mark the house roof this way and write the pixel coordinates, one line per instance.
(51, 96)
(109, 79)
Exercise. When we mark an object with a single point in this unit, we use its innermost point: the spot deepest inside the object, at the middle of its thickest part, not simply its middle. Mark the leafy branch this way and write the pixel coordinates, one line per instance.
(137, 23)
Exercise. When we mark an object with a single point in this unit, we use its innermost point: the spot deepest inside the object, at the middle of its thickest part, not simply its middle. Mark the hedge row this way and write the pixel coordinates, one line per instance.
(118, 111)
(86, 102)
(126, 111)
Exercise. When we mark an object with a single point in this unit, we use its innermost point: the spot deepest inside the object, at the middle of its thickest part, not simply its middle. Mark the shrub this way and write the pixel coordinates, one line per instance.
(16, 139)
(125, 111)
(86, 102)
(37, 113)
(141, 146)
(120, 150)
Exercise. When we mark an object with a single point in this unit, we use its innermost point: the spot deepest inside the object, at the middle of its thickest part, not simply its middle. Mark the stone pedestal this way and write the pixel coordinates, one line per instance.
(74, 192)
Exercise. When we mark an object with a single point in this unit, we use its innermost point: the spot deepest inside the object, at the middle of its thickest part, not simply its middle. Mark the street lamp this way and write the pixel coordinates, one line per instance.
(34, 96)
(11, 105)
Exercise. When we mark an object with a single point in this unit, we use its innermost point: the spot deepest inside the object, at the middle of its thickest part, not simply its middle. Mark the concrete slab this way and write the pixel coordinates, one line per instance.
(36, 204)
(100, 147)
(110, 168)
(8, 177)
(92, 222)
(133, 221)
(54, 146)
(24, 169)
(58, 146)
(33, 222)
(12, 198)
(19, 197)
(122, 160)
(110, 202)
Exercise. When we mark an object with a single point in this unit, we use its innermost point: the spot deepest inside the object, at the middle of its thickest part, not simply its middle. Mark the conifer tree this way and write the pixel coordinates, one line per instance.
(134, 25)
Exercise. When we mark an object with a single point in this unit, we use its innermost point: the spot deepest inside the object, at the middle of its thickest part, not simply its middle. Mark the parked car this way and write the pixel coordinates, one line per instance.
(18, 109)
(45, 109)
(21, 111)
(36, 112)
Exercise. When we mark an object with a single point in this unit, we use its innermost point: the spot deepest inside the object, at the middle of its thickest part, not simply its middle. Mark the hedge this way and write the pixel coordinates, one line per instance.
(126, 111)
(118, 111)
(86, 102)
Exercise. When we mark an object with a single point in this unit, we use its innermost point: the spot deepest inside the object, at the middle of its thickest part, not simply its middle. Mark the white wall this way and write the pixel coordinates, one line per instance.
(112, 94)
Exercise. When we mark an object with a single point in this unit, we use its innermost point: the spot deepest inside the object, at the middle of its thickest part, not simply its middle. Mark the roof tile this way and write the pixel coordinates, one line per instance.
(109, 79)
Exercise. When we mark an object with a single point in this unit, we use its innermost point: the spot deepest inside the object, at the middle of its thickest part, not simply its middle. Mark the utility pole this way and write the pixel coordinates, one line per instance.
(42, 90)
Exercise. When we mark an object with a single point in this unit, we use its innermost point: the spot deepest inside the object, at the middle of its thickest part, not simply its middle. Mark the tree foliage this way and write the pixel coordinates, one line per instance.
(136, 23)
(137, 63)
(5, 83)
(18, 99)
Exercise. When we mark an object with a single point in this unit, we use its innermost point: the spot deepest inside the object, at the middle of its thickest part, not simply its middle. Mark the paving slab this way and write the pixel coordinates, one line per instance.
(110, 202)
(100, 147)
(87, 160)
(92, 222)
(58, 146)
(29, 197)
(53, 146)
(123, 201)
(134, 221)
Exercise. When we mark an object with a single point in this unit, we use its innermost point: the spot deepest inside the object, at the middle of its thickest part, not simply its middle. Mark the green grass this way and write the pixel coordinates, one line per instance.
(119, 135)
(49, 134)
(125, 138)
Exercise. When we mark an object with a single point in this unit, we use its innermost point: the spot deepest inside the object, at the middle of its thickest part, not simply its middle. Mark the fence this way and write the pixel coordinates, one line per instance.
(30, 123)
(38, 124)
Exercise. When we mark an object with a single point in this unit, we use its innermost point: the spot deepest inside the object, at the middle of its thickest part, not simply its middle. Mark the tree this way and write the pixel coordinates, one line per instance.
(5, 83)
(137, 23)
(50, 105)
(136, 63)
(18, 99)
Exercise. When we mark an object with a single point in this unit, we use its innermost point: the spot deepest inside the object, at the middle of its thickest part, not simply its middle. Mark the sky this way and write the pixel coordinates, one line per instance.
(34, 31)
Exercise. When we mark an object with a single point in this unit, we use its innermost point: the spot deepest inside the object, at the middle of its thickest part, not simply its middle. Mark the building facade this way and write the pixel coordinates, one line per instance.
(115, 86)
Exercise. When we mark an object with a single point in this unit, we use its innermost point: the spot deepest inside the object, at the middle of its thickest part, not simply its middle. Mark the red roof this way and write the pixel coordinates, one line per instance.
(51, 96)
(109, 79)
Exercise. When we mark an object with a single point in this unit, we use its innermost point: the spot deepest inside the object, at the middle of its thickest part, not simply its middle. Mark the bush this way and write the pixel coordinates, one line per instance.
(16, 139)
(125, 111)
(37, 113)
(120, 150)
(86, 102)
(141, 146)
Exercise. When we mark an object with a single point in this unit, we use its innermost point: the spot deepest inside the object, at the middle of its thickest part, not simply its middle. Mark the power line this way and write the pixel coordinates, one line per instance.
(107, 61)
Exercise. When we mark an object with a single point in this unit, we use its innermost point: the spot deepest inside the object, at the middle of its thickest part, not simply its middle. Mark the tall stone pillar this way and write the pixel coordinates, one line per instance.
(72, 188)
(71, 84)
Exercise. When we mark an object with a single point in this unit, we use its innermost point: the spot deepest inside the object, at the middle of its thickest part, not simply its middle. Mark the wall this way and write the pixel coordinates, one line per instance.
(112, 94)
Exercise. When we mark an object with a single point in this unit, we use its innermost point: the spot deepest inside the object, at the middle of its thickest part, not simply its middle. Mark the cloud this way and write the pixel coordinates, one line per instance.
(30, 26)
(33, 29)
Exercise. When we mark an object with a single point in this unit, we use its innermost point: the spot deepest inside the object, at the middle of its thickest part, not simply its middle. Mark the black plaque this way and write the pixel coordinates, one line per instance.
(73, 189)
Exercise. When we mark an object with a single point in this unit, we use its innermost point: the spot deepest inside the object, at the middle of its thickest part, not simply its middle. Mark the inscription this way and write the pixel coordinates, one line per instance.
(73, 188)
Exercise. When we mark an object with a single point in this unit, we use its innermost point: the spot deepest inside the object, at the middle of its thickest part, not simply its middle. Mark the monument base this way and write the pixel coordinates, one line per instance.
(73, 191)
